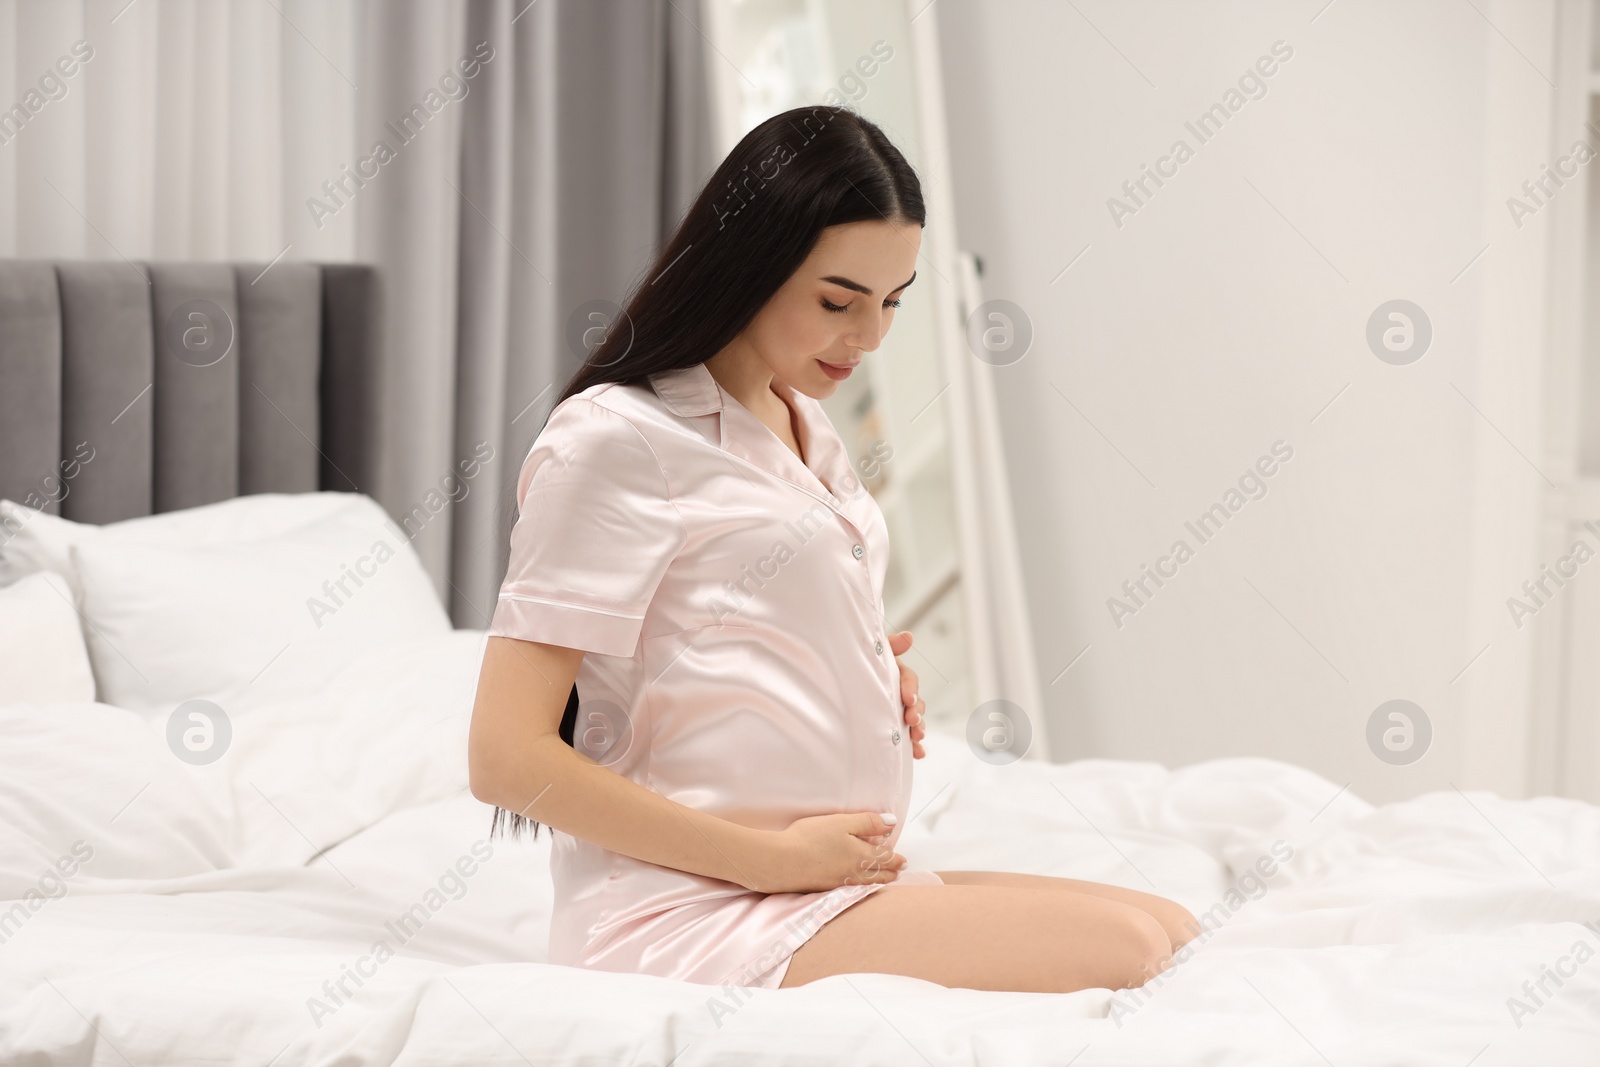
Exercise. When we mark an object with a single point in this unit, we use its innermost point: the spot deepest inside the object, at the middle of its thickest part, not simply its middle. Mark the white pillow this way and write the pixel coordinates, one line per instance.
(32, 540)
(252, 621)
(389, 732)
(91, 792)
(42, 657)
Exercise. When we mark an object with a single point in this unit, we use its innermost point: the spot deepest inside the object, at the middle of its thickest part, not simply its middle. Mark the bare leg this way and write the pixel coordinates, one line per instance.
(985, 936)
(1181, 926)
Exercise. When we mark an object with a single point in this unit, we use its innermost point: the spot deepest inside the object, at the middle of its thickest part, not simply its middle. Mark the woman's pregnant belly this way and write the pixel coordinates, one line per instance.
(749, 726)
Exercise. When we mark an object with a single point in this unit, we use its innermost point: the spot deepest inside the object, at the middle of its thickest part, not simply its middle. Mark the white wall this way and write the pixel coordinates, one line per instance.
(1225, 315)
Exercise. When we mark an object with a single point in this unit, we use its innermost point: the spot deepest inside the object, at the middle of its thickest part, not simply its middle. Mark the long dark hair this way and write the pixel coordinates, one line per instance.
(754, 223)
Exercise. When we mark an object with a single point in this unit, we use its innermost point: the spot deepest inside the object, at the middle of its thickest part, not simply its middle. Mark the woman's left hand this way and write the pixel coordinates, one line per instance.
(915, 708)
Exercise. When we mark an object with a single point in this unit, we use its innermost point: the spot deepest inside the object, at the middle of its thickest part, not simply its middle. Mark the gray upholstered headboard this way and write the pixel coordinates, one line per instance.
(186, 383)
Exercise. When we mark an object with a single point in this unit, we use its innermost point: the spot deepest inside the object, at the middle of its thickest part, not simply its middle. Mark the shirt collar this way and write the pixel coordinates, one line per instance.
(691, 391)
(688, 390)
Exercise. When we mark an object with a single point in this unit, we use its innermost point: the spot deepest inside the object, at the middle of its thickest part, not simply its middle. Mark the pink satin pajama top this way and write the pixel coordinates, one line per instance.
(730, 599)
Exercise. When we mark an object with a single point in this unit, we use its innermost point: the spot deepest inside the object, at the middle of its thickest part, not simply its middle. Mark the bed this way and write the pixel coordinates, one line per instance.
(236, 829)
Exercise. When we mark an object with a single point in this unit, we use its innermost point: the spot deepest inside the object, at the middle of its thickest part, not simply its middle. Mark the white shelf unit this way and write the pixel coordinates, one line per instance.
(1565, 742)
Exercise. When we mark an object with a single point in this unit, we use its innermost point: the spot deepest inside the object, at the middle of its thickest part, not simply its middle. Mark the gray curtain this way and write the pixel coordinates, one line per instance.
(576, 150)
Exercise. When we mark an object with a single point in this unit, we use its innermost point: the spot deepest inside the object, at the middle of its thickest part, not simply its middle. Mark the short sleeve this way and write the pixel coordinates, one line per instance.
(596, 530)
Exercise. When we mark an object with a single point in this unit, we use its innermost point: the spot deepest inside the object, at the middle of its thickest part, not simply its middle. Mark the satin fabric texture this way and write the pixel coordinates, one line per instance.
(729, 598)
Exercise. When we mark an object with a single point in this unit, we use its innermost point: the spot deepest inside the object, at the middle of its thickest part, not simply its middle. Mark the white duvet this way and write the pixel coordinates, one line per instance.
(327, 893)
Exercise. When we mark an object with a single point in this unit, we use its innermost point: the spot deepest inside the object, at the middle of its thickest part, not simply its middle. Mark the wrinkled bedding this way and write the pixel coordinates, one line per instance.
(327, 893)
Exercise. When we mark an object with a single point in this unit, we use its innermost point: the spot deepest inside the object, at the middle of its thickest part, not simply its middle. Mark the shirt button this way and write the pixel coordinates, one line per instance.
(858, 551)
(878, 648)
(895, 736)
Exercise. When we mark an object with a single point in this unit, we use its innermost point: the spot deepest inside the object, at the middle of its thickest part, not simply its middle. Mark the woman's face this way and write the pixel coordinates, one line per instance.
(861, 268)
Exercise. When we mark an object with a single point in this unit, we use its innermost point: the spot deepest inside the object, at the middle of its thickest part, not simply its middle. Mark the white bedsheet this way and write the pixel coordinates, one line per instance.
(200, 933)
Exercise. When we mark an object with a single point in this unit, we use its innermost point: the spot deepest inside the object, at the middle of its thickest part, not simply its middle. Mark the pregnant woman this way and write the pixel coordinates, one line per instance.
(689, 676)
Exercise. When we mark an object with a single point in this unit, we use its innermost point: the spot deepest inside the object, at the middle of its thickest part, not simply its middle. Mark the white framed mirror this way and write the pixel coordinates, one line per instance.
(906, 421)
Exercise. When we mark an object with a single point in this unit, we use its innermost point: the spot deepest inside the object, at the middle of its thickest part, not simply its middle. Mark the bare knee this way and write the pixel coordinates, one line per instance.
(1179, 923)
(1144, 949)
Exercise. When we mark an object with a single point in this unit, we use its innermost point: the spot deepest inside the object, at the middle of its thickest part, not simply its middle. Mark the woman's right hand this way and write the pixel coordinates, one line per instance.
(823, 852)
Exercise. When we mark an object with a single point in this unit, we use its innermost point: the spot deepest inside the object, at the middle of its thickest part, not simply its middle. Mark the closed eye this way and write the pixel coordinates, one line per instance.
(830, 306)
